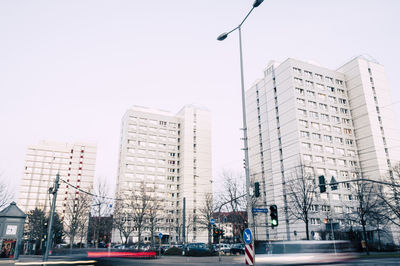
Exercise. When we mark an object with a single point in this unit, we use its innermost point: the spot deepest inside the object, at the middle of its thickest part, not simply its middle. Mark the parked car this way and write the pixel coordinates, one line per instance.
(237, 249)
(197, 249)
(225, 248)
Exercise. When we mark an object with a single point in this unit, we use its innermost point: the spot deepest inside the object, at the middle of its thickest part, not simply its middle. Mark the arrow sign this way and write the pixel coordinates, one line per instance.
(212, 221)
(160, 235)
(247, 236)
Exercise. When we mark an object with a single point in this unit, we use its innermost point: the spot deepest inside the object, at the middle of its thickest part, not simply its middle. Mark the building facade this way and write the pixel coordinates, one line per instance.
(74, 162)
(168, 156)
(338, 124)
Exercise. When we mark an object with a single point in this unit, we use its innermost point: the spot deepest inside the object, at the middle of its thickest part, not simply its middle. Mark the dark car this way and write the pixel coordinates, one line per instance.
(197, 249)
(237, 249)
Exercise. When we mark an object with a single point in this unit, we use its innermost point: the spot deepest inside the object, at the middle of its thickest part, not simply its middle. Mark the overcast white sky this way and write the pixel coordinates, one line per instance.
(70, 69)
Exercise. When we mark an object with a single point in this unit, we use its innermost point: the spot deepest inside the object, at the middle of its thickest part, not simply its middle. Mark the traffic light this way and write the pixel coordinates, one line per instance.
(333, 181)
(256, 189)
(274, 215)
(322, 187)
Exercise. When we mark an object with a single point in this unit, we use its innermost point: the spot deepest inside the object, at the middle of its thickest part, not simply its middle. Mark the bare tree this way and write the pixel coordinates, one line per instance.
(390, 195)
(233, 201)
(301, 192)
(139, 203)
(122, 218)
(5, 194)
(100, 208)
(369, 206)
(154, 215)
(76, 217)
(206, 214)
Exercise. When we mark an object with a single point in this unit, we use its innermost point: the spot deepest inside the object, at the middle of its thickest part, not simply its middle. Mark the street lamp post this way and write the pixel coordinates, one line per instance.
(222, 37)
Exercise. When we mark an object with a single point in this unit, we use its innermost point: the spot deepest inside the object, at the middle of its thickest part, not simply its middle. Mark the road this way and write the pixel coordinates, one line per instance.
(179, 260)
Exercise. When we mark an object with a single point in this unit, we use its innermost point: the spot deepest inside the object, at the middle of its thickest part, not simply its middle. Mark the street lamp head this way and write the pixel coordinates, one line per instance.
(222, 36)
(257, 3)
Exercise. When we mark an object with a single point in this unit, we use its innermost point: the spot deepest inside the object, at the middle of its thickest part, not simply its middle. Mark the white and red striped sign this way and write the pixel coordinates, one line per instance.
(249, 254)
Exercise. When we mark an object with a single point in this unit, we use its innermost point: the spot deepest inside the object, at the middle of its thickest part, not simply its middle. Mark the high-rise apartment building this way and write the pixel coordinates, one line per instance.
(169, 156)
(335, 123)
(74, 162)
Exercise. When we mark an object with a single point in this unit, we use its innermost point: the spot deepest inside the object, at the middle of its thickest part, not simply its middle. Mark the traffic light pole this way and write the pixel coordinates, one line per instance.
(50, 229)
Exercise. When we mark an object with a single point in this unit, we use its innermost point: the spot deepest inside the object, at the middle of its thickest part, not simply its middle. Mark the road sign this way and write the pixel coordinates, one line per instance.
(212, 221)
(247, 236)
(160, 235)
(260, 210)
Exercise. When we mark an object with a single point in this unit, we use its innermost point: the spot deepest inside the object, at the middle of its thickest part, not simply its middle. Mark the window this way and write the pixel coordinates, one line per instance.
(344, 173)
(326, 128)
(315, 125)
(313, 114)
(340, 151)
(315, 221)
(306, 146)
(298, 81)
(304, 123)
(329, 149)
(308, 74)
(353, 163)
(301, 102)
(299, 91)
(332, 99)
(339, 82)
(347, 131)
(318, 76)
(302, 112)
(325, 117)
(342, 101)
(325, 208)
(318, 148)
(351, 153)
(297, 70)
(330, 161)
(316, 136)
(349, 142)
(329, 79)
(328, 138)
(322, 96)
(341, 162)
(338, 140)
(346, 121)
(335, 119)
(319, 159)
(310, 93)
(340, 91)
(323, 106)
(307, 157)
(312, 104)
(320, 86)
(309, 84)
(304, 134)
(333, 109)
(344, 111)
(331, 89)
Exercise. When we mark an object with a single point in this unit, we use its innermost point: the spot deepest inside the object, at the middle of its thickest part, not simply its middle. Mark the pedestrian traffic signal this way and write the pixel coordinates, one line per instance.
(274, 215)
(256, 189)
(322, 184)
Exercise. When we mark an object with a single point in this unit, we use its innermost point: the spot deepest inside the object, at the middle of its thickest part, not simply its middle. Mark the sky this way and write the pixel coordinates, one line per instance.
(70, 69)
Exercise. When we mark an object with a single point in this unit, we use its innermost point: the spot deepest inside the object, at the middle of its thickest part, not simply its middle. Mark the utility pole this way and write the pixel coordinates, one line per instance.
(184, 221)
(53, 207)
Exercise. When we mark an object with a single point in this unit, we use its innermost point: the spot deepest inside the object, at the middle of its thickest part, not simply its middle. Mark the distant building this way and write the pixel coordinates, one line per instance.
(170, 156)
(233, 224)
(337, 123)
(74, 162)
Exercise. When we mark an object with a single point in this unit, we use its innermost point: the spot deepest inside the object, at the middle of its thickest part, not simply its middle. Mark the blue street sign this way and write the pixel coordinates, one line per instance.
(160, 235)
(212, 221)
(260, 210)
(247, 236)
